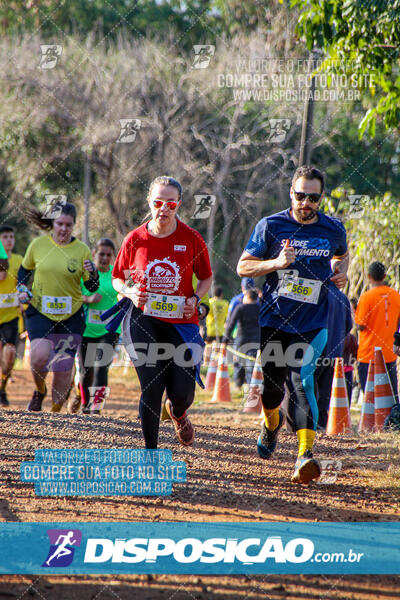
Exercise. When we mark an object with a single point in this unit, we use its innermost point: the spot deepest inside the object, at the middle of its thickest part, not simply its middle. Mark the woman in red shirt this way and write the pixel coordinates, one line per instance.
(154, 269)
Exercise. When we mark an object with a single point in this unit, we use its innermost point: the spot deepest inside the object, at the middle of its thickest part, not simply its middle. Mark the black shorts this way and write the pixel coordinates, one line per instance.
(40, 326)
(9, 332)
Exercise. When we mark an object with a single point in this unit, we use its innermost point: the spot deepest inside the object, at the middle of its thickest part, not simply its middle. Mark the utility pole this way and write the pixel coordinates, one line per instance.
(308, 117)
(86, 193)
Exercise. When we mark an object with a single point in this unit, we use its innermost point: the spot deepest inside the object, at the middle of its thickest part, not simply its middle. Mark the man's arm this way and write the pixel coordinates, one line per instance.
(362, 313)
(396, 340)
(339, 265)
(233, 319)
(251, 266)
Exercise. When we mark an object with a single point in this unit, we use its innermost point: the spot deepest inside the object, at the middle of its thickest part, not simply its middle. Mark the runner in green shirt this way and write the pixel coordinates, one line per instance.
(97, 346)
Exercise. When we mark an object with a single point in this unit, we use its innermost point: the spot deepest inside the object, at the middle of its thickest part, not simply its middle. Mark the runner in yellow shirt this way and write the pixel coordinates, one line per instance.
(55, 319)
(217, 316)
(9, 310)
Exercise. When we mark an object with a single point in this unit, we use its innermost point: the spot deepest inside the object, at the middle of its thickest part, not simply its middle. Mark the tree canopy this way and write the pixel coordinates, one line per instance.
(361, 37)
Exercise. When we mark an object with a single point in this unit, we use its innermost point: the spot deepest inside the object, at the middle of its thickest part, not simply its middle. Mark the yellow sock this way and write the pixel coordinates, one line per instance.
(42, 387)
(271, 418)
(306, 439)
(4, 379)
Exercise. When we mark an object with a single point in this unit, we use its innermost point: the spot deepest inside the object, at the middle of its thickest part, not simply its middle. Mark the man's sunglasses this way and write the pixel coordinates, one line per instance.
(171, 204)
(314, 198)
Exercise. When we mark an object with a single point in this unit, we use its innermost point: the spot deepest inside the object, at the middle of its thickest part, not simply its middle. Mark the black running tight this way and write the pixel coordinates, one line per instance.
(151, 338)
(292, 359)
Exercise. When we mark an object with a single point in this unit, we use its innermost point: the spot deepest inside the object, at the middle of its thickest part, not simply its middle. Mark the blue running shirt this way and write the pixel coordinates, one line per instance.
(315, 245)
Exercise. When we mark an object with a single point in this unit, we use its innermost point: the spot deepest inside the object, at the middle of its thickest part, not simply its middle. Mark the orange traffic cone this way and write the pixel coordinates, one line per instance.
(207, 355)
(384, 398)
(367, 419)
(339, 411)
(212, 367)
(222, 390)
(253, 400)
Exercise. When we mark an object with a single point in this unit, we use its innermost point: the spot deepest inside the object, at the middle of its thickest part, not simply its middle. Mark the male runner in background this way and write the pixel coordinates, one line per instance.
(302, 252)
(377, 319)
(247, 283)
(9, 310)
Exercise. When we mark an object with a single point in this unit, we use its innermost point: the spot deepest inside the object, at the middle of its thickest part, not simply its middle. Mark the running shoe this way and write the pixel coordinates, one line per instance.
(3, 399)
(35, 405)
(56, 407)
(183, 427)
(306, 468)
(74, 405)
(267, 439)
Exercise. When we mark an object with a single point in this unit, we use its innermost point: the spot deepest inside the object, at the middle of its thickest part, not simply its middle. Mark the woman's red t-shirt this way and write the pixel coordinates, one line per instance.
(164, 265)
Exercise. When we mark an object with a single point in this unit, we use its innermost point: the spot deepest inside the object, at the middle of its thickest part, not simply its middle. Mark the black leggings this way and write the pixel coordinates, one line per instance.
(99, 352)
(279, 366)
(157, 374)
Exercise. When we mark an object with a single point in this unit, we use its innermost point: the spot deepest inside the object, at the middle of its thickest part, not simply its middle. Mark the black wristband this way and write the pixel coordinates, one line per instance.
(397, 338)
(198, 298)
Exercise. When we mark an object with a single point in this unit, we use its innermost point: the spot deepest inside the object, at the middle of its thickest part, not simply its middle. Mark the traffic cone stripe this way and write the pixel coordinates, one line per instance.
(385, 402)
(341, 403)
(340, 384)
(381, 379)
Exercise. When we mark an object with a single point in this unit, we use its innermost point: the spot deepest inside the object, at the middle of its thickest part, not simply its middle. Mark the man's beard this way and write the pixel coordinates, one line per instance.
(305, 216)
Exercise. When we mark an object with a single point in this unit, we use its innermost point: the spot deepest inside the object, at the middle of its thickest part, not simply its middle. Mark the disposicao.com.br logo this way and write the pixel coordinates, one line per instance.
(227, 553)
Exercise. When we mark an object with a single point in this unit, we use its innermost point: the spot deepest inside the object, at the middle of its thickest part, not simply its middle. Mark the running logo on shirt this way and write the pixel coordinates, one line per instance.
(312, 247)
(163, 275)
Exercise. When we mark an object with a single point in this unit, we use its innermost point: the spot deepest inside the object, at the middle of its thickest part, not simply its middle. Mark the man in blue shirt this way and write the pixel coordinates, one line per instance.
(302, 253)
(246, 284)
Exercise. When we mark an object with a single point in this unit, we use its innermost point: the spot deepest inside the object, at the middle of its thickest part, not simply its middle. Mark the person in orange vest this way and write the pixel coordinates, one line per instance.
(377, 319)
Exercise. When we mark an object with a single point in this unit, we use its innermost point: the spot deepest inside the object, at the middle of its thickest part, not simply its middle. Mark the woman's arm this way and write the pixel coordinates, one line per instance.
(92, 284)
(23, 278)
(203, 286)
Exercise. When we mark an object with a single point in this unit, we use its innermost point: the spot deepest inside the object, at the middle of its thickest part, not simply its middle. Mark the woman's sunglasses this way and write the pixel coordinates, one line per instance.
(314, 198)
(171, 204)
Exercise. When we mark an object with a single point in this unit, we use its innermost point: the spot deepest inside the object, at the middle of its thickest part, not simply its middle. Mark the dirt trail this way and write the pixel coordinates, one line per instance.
(226, 481)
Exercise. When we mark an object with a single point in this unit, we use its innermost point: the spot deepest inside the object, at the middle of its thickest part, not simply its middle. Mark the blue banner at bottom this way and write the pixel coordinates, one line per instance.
(200, 548)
